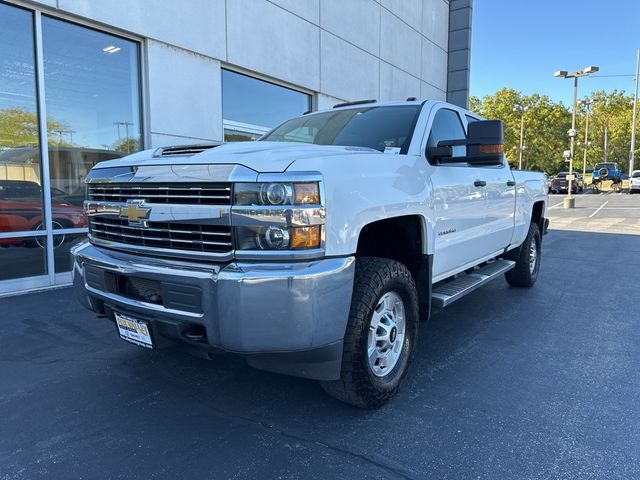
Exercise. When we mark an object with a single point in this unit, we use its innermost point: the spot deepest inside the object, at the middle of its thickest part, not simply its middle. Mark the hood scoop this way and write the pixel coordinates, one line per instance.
(181, 150)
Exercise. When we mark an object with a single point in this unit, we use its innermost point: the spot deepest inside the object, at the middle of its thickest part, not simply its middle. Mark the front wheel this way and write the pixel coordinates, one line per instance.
(527, 259)
(381, 334)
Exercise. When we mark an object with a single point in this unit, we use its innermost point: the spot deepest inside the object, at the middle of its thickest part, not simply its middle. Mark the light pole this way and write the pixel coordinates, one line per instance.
(521, 109)
(635, 114)
(569, 201)
(586, 104)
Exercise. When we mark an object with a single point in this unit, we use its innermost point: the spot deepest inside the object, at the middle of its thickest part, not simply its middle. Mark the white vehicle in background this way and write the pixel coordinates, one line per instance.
(634, 181)
(316, 250)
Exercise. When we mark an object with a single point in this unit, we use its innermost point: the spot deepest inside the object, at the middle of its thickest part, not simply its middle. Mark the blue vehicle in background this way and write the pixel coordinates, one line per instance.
(609, 171)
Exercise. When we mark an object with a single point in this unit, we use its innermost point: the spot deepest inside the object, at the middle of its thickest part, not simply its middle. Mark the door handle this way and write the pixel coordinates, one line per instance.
(480, 183)
(511, 183)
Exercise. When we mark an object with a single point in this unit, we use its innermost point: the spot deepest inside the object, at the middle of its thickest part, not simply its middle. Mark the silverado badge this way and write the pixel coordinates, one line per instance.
(135, 212)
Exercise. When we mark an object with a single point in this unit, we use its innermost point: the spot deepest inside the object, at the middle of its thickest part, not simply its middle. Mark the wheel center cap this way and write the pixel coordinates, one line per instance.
(393, 334)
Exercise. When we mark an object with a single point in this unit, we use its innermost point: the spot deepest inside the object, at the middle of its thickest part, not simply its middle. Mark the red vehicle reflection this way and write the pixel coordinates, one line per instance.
(21, 209)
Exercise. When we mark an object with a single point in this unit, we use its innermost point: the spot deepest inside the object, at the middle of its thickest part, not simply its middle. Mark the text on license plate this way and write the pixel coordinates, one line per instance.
(133, 330)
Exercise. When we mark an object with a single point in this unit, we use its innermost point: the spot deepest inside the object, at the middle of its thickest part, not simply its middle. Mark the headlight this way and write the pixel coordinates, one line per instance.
(277, 193)
(278, 238)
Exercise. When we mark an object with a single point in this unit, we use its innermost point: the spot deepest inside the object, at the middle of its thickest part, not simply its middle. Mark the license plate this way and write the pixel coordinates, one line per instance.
(134, 330)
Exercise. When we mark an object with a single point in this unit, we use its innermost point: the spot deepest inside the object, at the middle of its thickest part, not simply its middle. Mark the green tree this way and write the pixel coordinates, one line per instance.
(610, 113)
(545, 127)
(128, 145)
(19, 128)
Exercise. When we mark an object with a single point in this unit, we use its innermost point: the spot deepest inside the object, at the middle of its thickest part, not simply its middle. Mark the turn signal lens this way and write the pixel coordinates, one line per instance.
(307, 193)
(491, 148)
(305, 237)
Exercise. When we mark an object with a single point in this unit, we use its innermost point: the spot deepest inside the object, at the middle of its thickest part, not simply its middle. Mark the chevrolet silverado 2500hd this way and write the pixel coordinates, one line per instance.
(316, 250)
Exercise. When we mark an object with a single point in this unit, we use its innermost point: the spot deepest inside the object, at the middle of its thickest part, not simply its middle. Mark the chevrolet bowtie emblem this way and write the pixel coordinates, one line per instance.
(135, 212)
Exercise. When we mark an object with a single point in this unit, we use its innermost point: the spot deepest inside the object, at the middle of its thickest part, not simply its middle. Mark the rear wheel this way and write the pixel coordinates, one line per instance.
(527, 259)
(381, 334)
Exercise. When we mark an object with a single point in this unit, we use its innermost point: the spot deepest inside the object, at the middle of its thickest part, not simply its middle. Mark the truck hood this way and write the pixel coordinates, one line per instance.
(262, 157)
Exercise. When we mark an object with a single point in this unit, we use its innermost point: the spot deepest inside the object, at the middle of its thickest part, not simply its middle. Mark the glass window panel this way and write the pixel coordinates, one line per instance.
(20, 173)
(62, 245)
(22, 257)
(374, 127)
(92, 96)
(238, 136)
(447, 126)
(256, 102)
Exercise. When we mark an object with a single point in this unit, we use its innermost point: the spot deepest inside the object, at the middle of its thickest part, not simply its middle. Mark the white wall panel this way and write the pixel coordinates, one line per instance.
(162, 140)
(410, 11)
(346, 71)
(337, 16)
(197, 25)
(267, 39)
(326, 102)
(435, 21)
(307, 9)
(396, 84)
(399, 44)
(429, 92)
(434, 64)
(184, 93)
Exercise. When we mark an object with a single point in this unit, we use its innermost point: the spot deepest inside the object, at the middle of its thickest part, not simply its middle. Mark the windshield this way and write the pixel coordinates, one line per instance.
(562, 175)
(374, 127)
(636, 174)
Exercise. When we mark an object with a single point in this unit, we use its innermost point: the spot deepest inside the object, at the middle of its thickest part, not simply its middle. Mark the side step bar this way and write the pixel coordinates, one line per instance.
(445, 293)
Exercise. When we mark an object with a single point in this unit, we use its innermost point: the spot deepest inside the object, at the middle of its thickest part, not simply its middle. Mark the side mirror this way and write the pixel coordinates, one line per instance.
(484, 145)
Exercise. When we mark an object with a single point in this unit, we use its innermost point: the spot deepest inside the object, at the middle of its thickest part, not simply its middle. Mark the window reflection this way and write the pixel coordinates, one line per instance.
(20, 172)
(258, 104)
(22, 257)
(62, 251)
(239, 136)
(92, 97)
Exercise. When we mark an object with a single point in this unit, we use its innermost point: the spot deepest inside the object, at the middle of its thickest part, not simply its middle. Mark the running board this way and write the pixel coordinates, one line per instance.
(445, 293)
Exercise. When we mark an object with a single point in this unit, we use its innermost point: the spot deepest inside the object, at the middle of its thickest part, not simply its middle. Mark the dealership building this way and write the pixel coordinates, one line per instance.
(83, 81)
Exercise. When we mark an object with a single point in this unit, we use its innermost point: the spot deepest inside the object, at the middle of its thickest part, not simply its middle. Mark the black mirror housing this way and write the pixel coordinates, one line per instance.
(484, 142)
(486, 132)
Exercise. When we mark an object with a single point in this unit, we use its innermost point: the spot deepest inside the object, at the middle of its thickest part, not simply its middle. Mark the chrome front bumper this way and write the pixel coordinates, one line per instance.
(272, 312)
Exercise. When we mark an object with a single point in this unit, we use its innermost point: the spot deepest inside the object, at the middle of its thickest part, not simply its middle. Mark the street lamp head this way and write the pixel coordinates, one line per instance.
(561, 73)
(590, 69)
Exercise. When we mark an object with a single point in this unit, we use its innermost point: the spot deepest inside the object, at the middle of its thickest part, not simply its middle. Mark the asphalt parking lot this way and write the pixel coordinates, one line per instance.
(604, 212)
(507, 383)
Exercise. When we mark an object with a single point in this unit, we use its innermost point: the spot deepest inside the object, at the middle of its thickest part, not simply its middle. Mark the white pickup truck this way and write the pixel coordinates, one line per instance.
(317, 250)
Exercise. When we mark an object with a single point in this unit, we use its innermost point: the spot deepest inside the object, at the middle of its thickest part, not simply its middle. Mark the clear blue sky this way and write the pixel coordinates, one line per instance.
(520, 43)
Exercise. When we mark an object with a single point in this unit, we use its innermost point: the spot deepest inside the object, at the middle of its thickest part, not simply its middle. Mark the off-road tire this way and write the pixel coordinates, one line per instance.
(521, 275)
(358, 385)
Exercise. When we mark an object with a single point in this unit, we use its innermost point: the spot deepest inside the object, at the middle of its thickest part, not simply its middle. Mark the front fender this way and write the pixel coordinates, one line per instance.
(362, 189)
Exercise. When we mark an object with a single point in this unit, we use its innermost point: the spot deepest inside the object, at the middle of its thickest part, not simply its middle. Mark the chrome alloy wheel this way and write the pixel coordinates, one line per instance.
(386, 334)
(533, 255)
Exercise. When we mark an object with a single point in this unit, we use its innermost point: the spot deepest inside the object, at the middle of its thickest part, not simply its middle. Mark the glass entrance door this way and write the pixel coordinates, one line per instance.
(86, 83)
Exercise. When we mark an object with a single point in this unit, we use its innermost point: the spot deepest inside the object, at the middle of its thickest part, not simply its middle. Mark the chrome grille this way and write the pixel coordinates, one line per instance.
(174, 193)
(175, 236)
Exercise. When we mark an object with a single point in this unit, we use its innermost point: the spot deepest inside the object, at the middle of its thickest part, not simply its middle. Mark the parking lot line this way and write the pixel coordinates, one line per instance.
(601, 207)
(556, 205)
